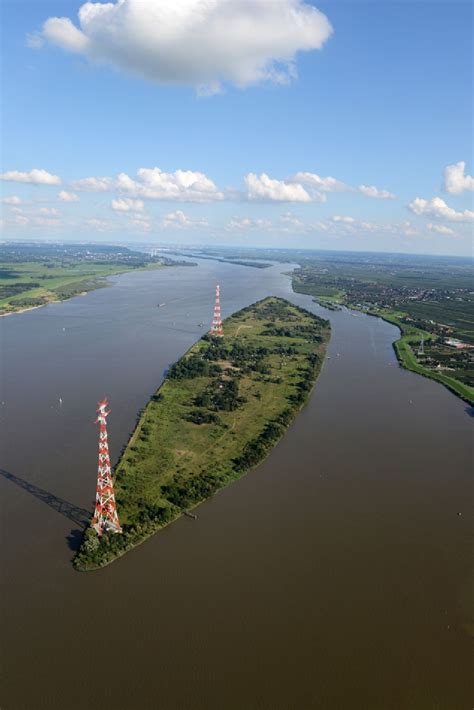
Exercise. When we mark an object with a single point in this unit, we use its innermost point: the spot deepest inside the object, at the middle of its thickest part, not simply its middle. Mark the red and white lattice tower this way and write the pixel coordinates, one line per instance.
(105, 514)
(216, 327)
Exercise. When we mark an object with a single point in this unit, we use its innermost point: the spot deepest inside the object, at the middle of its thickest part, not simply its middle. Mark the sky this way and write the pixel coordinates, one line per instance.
(275, 123)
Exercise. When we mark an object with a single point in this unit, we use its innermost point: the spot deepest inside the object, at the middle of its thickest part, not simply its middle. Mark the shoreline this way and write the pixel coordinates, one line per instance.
(456, 387)
(103, 282)
(235, 464)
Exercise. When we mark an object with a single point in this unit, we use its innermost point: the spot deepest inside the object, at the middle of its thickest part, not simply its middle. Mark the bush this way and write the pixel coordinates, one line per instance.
(197, 416)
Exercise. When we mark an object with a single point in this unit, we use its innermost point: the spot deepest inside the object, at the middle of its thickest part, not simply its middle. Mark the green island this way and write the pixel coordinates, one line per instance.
(34, 275)
(220, 410)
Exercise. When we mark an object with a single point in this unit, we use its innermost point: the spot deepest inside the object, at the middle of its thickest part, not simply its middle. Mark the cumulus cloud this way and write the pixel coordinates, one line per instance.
(93, 184)
(439, 228)
(20, 220)
(11, 200)
(35, 176)
(372, 191)
(287, 223)
(325, 184)
(179, 219)
(47, 221)
(181, 185)
(317, 185)
(48, 212)
(246, 223)
(202, 43)
(68, 196)
(292, 220)
(139, 222)
(437, 208)
(408, 230)
(155, 184)
(342, 218)
(456, 180)
(126, 205)
(263, 188)
(101, 225)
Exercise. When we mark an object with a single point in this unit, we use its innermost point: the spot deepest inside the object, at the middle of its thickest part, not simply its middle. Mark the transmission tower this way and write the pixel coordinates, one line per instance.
(105, 514)
(216, 327)
(421, 349)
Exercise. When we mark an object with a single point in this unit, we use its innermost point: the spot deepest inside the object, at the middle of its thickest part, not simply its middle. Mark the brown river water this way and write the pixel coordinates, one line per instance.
(335, 576)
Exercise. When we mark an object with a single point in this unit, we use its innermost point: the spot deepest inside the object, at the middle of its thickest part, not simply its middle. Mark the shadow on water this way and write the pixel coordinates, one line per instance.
(79, 516)
(74, 539)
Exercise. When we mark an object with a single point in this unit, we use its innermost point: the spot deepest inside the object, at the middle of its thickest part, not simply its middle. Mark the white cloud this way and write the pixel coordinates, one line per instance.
(318, 185)
(101, 225)
(155, 184)
(246, 223)
(140, 222)
(47, 221)
(61, 32)
(20, 219)
(288, 223)
(35, 176)
(48, 212)
(11, 200)
(127, 205)
(94, 184)
(292, 220)
(456, 180)
(346, 220)
(440, 228)
(437, 208)
(408, 230)
(325, 184)
(266, 189)
(202, 43)
(181, 185)
(179, 219)
(68, 196)
(372, 191)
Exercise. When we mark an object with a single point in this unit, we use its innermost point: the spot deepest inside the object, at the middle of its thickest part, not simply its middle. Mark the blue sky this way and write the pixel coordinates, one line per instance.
(384, 102)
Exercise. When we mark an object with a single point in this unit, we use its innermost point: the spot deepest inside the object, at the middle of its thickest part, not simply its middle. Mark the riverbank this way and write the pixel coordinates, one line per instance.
(411, 336)
(61, 287)
(221, 409)
(34, 275)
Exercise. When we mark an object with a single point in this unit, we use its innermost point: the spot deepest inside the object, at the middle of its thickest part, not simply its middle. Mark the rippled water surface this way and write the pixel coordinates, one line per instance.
(335, 576)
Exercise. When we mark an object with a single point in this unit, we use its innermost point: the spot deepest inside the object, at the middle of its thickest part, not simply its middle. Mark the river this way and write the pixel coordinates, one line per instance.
(335, 576)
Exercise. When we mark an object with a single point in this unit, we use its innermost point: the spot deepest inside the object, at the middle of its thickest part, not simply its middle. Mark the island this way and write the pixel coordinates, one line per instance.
(220, 410)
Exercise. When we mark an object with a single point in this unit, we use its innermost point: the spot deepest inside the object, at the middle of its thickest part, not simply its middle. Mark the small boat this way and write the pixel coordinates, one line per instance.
(201, 324)
(160, 305)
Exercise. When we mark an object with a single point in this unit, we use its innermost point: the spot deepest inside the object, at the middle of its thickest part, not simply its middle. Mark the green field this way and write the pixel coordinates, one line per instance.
(221, 409)
(27, 285)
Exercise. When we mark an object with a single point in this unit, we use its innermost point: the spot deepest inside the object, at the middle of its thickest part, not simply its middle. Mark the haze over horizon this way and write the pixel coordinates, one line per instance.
(327, 125)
